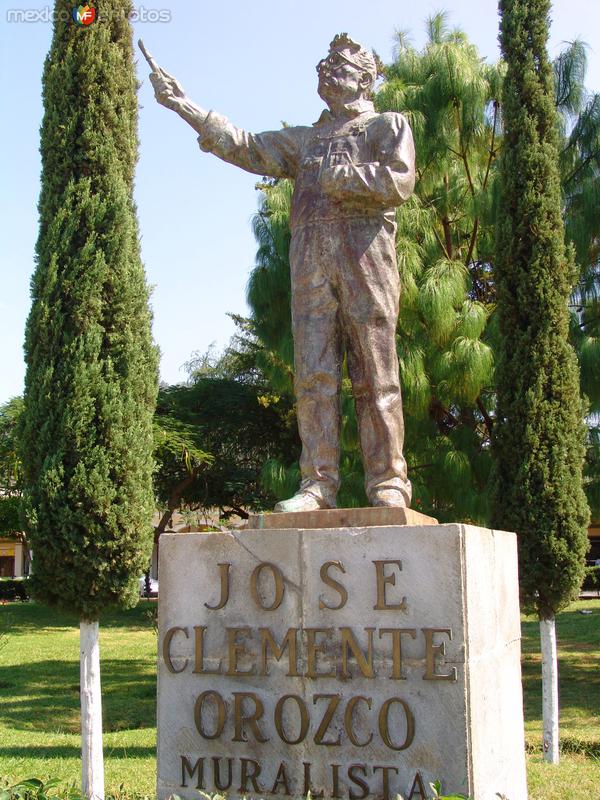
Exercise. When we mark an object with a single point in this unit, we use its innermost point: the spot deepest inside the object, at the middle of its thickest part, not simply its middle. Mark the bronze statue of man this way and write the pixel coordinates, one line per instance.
(351, 169)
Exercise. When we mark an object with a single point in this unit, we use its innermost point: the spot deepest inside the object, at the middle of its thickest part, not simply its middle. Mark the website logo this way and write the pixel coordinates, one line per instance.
(84, 15)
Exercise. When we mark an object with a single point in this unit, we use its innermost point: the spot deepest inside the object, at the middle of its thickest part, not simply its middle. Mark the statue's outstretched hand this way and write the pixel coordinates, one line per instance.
(167, 89)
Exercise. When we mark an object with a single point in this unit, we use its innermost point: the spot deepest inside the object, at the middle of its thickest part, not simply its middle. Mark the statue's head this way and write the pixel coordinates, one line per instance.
(348, 72)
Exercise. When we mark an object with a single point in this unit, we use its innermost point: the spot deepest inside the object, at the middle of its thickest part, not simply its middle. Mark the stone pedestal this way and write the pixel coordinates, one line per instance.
(340, 518)
(359, 662)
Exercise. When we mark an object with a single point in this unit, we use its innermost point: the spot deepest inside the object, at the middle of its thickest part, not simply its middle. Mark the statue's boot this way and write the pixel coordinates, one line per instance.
(305, 500)
(390, 497)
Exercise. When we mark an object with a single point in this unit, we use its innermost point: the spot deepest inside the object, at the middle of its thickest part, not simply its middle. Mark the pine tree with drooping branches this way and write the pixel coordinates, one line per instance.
(91, 366)
(579, 117)
(444, 245)
(539, 441)
(445, 256)
(447, 330)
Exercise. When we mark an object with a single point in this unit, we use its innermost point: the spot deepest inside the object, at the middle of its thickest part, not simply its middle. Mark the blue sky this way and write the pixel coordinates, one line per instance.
(253, 62)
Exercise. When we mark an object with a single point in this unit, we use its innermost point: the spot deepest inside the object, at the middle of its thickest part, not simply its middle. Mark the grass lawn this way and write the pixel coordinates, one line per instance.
(39, 699)
(578, 775)
(39, 696)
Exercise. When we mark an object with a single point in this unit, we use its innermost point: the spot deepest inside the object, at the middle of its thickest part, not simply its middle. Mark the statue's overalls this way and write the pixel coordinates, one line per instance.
(350, 173)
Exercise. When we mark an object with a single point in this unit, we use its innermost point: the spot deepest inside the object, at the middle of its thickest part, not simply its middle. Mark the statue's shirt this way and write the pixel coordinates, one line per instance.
(359, 165)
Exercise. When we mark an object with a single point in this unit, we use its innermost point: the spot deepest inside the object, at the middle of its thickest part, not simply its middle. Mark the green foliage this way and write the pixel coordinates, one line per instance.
(539, 441)
(436, 788)
(14, 589)
(177, 439)
(229, 423)
(592, 579)
(10, 461)
(269, 287)
(34, 789)
(53, 789)
(91, 366)
(579, 164)
(445, 255)
(11, 468)
(448, 331)
(444, 244)
(10, 515)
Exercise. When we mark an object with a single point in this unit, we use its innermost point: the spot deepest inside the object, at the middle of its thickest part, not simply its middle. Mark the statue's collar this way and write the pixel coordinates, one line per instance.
(351, 110)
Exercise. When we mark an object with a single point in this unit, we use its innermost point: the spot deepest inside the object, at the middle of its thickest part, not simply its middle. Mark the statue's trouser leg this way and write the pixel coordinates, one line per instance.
(369, 292)
(317, 359)
(344, 275)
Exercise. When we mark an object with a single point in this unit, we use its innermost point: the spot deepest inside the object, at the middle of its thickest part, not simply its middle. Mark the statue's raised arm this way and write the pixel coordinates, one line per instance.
(171, 94)
(351, 169)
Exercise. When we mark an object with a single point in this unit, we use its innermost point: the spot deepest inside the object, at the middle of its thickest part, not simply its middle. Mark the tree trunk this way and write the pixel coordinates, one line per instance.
(172, 506)
(549, 689)
(92, 761)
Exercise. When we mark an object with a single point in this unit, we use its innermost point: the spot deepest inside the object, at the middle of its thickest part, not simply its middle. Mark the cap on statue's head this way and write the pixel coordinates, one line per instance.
(354, 54)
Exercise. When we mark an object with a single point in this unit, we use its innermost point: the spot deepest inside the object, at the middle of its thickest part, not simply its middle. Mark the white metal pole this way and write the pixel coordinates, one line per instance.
(92, 760)
(550, 709)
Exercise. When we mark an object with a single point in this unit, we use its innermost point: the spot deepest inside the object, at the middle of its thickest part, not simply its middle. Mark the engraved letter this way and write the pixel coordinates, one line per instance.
(334, 701)
(348, 720)
(384, 727)
(352, 770)
(349, 643)
(335, 777)
(396, 633)
(281, 778)
(236, 649)
(333, 584)
(312, 651)
(382, 581)
(249, 776)
(431, 651)
(224, 588)
(304, 718)
(199, 659)
(386, 780)
(167, 649)
(217, 774)
(187, 767)
(307, 787)
(289, 641)
(250, 719)
(279, 586)
(221, 713)
(418, 784)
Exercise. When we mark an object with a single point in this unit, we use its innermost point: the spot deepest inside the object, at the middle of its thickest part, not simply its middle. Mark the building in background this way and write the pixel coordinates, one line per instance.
(12, 558)
(593, 557)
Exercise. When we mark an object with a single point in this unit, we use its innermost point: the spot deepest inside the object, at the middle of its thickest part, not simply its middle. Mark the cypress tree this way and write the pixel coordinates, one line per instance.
(91, 366)
(540, 435)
